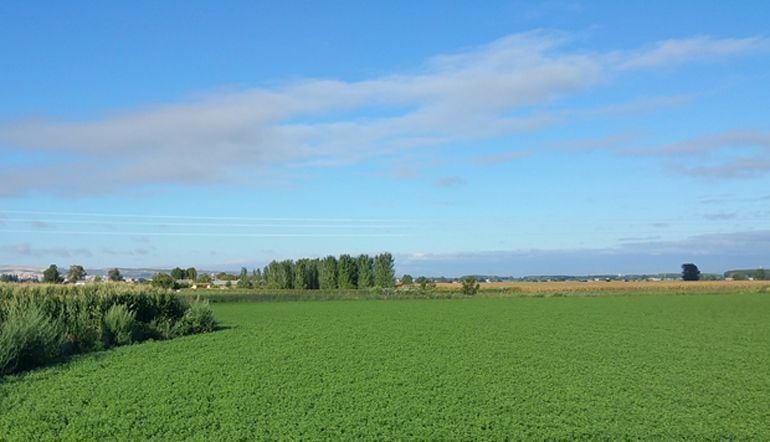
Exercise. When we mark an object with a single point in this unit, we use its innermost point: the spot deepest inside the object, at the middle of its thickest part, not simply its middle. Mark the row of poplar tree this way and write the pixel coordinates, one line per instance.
(330, 273)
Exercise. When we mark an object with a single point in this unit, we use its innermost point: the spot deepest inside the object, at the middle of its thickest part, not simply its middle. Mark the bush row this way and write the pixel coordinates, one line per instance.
(43, 323)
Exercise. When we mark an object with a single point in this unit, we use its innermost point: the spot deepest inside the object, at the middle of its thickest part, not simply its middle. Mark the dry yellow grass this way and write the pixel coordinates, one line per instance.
(573, 286)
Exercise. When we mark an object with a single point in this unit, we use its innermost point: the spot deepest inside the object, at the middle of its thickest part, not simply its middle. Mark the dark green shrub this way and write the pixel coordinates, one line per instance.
(28, 338)
(197, 319)
(470, 286)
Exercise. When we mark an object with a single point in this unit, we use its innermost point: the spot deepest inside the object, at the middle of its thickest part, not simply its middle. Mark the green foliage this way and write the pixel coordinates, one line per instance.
(203, 277)
(327, 273)
(690, 272)
(306, 274)
(76, 273)
(407, 280)
(365, 267)
(88, 318)
(51, 275)
(120, 326)
(83, 322)
(347, 272)
(244, 282)
(114, 275)
(163, 280)
(626, 367)
(760, 275)
(197, 319)
(191, 273)
(280, 275)
(739, 276)
(384, 274)
(177, 273)
(470, 286)
(6, 277)
(425, 283)
(28, 338)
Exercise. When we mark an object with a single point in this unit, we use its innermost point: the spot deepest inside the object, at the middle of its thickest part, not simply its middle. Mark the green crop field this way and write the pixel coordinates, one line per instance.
(652, 367)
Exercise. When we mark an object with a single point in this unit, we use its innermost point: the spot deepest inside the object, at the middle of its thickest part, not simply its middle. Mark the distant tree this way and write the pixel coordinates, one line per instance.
(739, 276)
(191, 273)
(204, 277)
(425, 283)
(76, 273)
(470, 286)
(407, 280)
(97, 278)
(365, 267)
(114, 275)
(760, 274)
(279, 275)
(690, 272)
(177, 273)
(384, 274)
(347, 272)
(52, 275)
(244, 282)
(6, 277)
(163, 280)
(257, 279)
(224, 276)
(327, 273)
(306, 274)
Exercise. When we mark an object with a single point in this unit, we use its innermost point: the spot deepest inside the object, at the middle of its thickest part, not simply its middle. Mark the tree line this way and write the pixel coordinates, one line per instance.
(329, 273)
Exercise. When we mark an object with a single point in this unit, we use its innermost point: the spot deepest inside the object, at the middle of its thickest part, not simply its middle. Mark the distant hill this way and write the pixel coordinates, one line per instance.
(748, 273)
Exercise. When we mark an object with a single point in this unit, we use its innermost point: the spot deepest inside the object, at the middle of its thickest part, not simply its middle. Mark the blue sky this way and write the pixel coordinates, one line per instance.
(503, 137)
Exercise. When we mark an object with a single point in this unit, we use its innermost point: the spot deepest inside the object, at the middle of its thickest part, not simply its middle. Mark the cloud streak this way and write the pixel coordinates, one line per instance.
(25, 249)
(734, 154)
(670, 52)
(711, 252)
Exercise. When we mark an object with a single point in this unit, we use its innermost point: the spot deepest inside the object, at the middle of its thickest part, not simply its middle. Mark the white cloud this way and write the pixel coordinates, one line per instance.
(482, 92)
(724, 155)
(670, 52)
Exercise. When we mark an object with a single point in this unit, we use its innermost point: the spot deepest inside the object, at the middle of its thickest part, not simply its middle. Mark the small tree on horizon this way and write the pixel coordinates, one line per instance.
(163, 280)
(76, 273)
(690, 272)
(114, 275)
(52, 275)
(470, 286)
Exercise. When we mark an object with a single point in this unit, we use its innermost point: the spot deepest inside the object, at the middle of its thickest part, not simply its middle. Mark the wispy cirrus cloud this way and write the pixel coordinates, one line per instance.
(483, 92)
(670, 52)
(733, 154)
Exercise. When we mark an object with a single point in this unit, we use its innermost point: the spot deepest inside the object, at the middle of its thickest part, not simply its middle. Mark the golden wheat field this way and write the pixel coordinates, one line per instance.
(572, 286)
